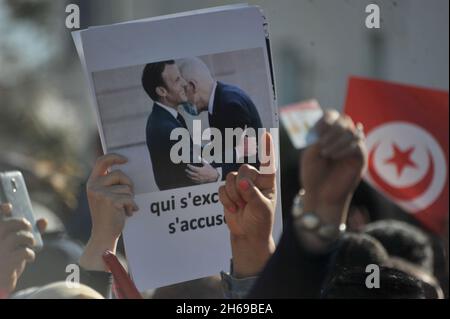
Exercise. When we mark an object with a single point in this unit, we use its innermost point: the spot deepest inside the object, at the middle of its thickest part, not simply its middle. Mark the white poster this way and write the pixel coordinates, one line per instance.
(199, 71)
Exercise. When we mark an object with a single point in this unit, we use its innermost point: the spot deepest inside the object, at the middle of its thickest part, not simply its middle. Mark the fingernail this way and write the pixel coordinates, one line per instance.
(6, 208)
(241, 204)
(244, 185)
(232, 209)
(27, 222)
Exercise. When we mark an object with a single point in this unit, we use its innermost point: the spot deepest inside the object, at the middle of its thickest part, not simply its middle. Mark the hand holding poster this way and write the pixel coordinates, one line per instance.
(174, 105)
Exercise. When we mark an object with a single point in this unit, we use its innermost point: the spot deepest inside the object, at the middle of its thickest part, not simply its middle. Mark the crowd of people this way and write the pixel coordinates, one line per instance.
(330, 247)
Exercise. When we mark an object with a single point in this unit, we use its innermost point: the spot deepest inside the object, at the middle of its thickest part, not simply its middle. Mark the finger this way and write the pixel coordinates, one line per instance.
(249, 172)
(193, 169)
(129, 209)
(342, 141)
(23, 254)
(268, 161)
(320, 126)
(13, 225)
(232, 192)
(330, 135)
(249, 191)
(42, 225)
(327, 120)
(121, 189)
(6, 209)
(262, 181)
(116, 177)
(191, 174)
(359, 130)
(359, 133)
(125, 204)
(226, 201)
(356, 148)
(19, 239)
(104, 162)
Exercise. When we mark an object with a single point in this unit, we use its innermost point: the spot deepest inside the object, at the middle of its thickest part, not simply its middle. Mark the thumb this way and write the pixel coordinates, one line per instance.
(248, 191)
(204, 162)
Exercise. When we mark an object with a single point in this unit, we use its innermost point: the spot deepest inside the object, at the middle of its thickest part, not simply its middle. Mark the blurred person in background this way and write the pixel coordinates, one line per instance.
(413, 244)
(358, 250)
(403, 240)
(394, 284)
(40, 109)
(355, 251)
(40, 112)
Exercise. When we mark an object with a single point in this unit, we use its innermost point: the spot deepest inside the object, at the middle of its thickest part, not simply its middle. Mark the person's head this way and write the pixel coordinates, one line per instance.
(358, 250)
(59, 290)
(431, 285)
(350, 283)
(199, 81)
(403, 240)
(163, 83)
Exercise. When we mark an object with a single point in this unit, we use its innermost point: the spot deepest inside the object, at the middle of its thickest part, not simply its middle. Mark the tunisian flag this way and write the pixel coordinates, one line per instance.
(407, 140)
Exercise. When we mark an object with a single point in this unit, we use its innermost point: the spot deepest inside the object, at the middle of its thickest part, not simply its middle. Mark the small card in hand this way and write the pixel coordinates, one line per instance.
(299, 120)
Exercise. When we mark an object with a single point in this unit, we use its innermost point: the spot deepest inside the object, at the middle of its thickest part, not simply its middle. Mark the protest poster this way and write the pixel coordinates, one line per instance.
(149, 78)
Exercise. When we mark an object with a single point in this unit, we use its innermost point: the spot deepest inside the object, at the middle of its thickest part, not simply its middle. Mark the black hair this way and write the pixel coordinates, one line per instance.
(350, 283)
(358, 250)
(431, 285)
(403, 240)
(152, 77)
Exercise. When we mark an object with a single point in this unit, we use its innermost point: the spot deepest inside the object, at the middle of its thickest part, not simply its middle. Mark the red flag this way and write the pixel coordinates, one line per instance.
(407, 140)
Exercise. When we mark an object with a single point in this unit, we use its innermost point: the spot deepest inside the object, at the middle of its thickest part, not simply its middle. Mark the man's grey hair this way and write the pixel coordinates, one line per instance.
(194, 69)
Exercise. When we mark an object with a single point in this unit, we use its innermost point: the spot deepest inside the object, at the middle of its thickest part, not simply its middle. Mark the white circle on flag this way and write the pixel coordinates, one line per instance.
(404, 153)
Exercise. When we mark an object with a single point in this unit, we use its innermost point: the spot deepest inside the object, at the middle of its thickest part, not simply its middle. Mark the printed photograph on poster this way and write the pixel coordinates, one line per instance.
(140, 106)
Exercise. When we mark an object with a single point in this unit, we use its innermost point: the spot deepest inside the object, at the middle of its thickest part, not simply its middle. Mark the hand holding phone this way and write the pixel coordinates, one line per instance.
(14, 193)
(16, 231)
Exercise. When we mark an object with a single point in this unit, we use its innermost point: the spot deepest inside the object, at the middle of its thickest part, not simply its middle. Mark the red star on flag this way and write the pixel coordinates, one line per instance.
(401, 159)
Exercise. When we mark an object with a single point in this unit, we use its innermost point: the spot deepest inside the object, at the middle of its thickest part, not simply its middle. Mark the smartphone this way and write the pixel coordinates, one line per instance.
(13, 190)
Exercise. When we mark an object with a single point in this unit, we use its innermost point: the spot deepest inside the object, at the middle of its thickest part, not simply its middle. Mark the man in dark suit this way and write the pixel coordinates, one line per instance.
(164, 85)
(228, 107)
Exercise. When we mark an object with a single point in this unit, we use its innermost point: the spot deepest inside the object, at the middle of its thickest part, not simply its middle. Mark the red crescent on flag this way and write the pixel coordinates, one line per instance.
(402, 193)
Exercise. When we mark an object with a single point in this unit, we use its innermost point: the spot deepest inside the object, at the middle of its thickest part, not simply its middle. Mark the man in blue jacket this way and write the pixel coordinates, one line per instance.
(228, 107)
(165, 86)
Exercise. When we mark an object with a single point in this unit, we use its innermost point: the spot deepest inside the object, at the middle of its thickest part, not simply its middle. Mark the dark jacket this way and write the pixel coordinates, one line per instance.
(292, 271)
(233, 108)
(167, 174)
